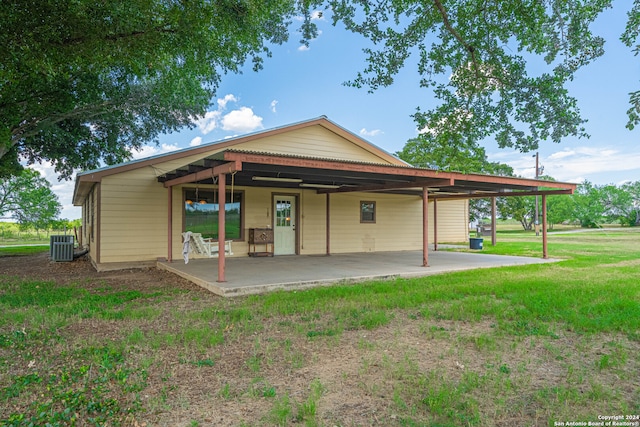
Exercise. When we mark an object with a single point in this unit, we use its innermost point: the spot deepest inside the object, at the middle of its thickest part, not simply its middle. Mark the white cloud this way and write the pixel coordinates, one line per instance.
(195, 141)
(374, 132)
(222, 102)
(241, 120)
(578, 164)
(273, 105)
(153, 150)
(316, 15)
(562, 154)
(209, 122)
(211, 119)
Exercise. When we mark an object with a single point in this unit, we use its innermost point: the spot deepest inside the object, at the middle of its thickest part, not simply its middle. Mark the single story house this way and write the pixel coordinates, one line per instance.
(310, 187)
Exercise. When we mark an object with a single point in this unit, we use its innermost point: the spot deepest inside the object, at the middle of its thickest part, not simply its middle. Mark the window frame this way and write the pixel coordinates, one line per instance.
(243, 206)
(368, 204)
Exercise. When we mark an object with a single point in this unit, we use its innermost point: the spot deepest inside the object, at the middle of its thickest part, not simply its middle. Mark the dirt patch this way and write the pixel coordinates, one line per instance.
(40, 267)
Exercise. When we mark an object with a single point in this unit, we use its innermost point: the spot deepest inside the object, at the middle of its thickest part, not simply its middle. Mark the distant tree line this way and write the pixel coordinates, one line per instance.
(590, 206)
(12, 231)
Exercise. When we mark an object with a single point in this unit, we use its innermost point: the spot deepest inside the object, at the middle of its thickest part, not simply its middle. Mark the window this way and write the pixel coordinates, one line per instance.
(283, 213)
(368, 212)
(201, 209)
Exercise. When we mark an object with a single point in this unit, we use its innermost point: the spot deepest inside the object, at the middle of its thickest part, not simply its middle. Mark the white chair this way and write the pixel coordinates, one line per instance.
(207, 247)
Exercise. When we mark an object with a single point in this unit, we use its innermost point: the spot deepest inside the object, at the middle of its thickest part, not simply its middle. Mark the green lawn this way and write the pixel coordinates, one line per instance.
(527, 346)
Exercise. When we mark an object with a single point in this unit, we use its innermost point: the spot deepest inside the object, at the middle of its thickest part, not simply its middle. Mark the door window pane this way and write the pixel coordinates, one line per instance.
(283, 213)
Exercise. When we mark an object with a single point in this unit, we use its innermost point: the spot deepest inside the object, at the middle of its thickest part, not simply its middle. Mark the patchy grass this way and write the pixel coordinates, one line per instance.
(21, 250)
(528, 345)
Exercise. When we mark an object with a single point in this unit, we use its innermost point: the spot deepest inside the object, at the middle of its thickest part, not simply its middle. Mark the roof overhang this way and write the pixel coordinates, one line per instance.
(339, 176)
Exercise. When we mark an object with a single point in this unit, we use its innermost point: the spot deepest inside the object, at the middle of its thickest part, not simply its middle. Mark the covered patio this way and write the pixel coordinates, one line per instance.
(248, 276)
(329, 177)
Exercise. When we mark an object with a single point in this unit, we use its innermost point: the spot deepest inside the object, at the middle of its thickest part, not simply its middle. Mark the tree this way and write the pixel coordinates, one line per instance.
(588, 207)
(83, 82)
(496, 69)
(522, 209)
(29, 200)
(427, 153)
(622, 204)
(632, 212)
(630, 37)
(559, 209)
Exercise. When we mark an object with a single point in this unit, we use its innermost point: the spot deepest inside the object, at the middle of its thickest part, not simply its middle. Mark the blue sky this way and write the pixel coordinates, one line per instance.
(299, 84)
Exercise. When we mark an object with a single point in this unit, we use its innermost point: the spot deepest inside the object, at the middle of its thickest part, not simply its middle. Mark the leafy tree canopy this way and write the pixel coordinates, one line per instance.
(630, 38)
(496, 68)
(28, 199)
(425, 152)
(436, 154)
(85, 81)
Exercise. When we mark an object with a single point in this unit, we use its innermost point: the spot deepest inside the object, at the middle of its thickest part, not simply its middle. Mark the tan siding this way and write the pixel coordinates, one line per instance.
(134, 220)
(92, 207)
(133, 217)
(258, 214)
(398, 223)
(313, 223)
(314, 141)
(177, 217)
(452, 221)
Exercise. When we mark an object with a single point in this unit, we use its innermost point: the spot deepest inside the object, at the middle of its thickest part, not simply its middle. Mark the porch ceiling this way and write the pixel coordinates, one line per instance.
(332, 176)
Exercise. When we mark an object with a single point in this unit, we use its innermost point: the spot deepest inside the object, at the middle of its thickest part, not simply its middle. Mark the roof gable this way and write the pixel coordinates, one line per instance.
(319, 137)
(261, 141)
(320, 142)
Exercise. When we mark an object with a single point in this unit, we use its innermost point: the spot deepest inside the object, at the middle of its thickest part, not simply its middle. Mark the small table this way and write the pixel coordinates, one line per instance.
(260, 236)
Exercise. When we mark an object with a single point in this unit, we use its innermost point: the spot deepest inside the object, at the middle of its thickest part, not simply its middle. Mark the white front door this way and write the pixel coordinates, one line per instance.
(285, 225)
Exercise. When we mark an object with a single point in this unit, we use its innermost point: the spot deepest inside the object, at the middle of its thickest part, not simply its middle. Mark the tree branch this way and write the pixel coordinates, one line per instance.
(31, 128)
(449, 27)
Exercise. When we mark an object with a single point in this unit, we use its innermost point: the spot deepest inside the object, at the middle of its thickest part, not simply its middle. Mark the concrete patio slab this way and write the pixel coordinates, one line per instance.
(247, 275)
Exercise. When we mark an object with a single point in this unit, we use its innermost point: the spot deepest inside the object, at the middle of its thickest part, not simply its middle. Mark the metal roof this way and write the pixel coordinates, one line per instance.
(329, 175)
(335, 175)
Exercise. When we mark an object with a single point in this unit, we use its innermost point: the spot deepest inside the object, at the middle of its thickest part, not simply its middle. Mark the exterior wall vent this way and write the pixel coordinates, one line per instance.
(61, 248)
